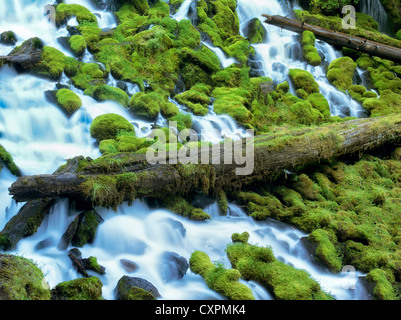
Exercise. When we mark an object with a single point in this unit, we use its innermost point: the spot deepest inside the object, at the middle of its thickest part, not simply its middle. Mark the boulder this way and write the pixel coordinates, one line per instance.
(21, 279)
(131, 288)
(78, 289)
(173, 266)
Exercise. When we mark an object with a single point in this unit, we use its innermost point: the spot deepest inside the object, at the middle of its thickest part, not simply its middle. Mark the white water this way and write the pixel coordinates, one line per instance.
(40, 138)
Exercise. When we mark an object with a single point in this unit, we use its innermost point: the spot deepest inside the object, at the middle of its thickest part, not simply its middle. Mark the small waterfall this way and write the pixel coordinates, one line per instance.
(375, 9)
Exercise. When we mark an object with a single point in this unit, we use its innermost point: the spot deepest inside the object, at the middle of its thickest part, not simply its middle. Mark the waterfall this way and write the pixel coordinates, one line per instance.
(375, 9)
(40, 137)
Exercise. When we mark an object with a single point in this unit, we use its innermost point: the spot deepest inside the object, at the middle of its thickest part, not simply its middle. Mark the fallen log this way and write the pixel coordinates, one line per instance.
(337, 38)
(110, 180)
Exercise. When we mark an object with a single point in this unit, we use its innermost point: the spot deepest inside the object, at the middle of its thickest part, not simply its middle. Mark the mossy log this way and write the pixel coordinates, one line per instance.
(111, 180)
(337, 38)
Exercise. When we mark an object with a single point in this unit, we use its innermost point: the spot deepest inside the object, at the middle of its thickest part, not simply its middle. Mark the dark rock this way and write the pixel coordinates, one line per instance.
(46, 243)
(173, 266)
(26, 56)
(25, 223)
(131, 288)
(8, 38)
(82, 230)
(129, 266)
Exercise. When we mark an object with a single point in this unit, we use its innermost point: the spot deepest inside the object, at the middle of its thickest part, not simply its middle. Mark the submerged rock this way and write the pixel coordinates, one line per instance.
(173, 266)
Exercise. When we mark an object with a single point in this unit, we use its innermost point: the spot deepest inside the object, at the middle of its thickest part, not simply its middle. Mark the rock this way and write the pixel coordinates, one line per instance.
(46, 243)
(173, 266)
(131, 288)
(82, 265)
(129, 266)
(8, 38)
(82, 230)
(78, 289)
(21, 279)
(25, 223)
(254, 31)
(26, 56)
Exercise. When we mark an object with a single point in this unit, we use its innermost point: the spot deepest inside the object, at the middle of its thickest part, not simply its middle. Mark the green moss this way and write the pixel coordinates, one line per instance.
(304, 80)
(180, 206)
(79, 289)
(21, 279)
(184, 121)
(222, 200)
(387, 103)
(77, 44)
(196, 99)
(309, 51)
(187, 36)
(7, 160)
(52, 63)
(325, 250)
(285, 282)
(256, 32)
(383, 289)
(68, 101)
(87, 75)
(341, 72)
(66, 11)
(169, 110)
(105, 93)
(107, 126)
(218, 278)
(146, 105)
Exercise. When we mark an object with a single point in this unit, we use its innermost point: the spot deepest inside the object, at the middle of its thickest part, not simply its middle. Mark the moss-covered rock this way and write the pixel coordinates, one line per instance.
(146, 105)
(131, 288)
(218, 278)
(285, 282)
(304, 82)
(78, 45)
(341, 72)
(65, 11)
(21, 279)
(309, 50)
(196, 99)
(7, 160)
(68, 101)
(383, 290)
(107, 126)
(107, 93)
(180, 206)
(78, 289)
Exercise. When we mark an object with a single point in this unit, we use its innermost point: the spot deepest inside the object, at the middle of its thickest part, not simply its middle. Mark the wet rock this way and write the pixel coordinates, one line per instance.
(173, 266)
(8, 38)
(128, 265)
(21, 279)
(46, 243)
(82, 230)
(83, 265)
(25, 56)
(25, 223)
(78, 289)
(131, 288)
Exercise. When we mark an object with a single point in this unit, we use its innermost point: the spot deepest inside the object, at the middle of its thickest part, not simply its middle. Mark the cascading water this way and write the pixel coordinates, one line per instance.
(375, 9)
(40, 138)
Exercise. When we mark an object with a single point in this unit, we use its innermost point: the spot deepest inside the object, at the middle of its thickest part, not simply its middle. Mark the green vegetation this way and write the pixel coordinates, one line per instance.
(79, 289)
(259, 264)
(107, 126)
(21, 279)
(309, 51)
(218, 278)
(68, 101)
(341, 72)
(7, 160)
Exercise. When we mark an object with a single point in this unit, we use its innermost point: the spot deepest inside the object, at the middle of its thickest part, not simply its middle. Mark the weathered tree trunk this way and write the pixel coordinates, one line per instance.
(109, 182)
(337, 38)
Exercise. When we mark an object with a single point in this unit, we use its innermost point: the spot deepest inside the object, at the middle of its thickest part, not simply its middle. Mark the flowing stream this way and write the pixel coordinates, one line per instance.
(40, 138)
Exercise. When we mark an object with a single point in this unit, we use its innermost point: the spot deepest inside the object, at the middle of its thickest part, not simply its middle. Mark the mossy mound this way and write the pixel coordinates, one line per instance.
(78, 289)
(77, 44)
(7, 160)
(285, 282)
(304, 82)
(308, 48)
(350, 211)
(341, 72)
(68, 101)
(196, 99)
(146, 105)
(107, 93)
(21, 279)
(218, 278)
(107, 126)
(65, 11)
